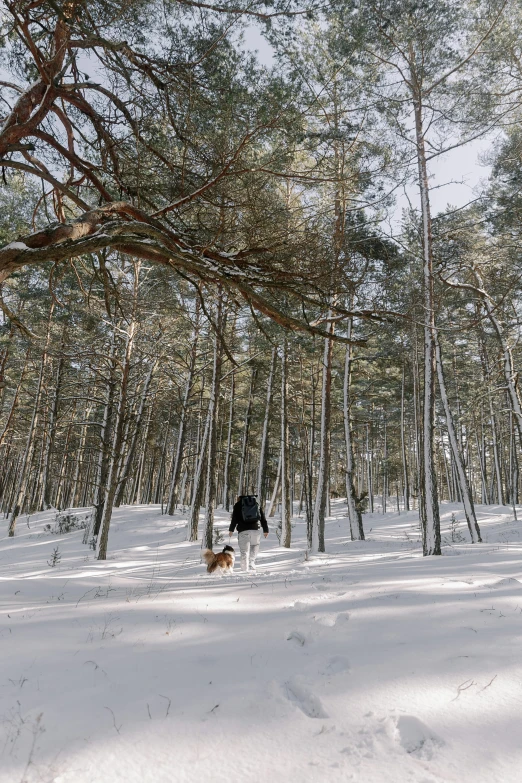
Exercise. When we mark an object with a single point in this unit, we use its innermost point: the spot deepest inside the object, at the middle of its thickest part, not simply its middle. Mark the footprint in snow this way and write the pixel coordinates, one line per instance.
(332, 619)
(341, 619)
(297, 638)
(336, 665)
(308, 603)
(416, 738)
(310, 704)
(326, 618)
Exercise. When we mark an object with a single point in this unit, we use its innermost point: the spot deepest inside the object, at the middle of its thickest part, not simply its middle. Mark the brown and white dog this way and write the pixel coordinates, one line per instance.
(220, 563)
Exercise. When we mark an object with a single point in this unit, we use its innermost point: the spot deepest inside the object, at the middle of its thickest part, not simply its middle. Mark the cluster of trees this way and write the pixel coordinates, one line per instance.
(198, 294)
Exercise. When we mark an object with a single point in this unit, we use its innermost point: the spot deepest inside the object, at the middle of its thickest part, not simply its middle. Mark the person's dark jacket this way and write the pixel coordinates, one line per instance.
(239, 523)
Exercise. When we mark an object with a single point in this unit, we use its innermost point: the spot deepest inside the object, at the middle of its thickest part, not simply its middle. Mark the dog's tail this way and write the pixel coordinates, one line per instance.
(209, 558)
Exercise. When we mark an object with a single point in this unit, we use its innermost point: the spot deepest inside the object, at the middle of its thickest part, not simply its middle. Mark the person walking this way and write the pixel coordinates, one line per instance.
(246, 516)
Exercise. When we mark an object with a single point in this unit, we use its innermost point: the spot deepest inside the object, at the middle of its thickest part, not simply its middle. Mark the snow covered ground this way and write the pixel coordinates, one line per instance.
(369, 663)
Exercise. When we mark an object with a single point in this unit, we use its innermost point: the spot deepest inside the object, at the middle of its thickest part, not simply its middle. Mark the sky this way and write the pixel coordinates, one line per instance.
(455, 177)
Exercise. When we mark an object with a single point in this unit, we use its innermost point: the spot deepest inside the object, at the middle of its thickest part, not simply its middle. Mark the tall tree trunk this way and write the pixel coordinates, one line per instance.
(19, 497)
(428, 484)
(226, 472)
(369, 457)
(286, 510)
(510, 376)
(131, 450)
(14, 402)
(112, 476)
(513, 467)
(103, 458)
(246, 432)
(273, 500)
(180, 444)
(80, 458)
(385, 465)
(307, 489)
(213, 418)
(324, 447)
(45, 501)
(354, 514)
(481, 458)
(61, 494)
(197, 488)
(465, 492)
(137, 490)
(263, 456)
(406, 483)
(486, 373)
(496, 453)
(160, 481)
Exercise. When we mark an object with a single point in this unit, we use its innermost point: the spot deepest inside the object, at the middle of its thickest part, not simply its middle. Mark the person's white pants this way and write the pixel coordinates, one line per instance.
(249, 541)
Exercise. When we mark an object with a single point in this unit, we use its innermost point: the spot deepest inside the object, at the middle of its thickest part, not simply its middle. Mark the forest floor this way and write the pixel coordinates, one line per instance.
(369, 663)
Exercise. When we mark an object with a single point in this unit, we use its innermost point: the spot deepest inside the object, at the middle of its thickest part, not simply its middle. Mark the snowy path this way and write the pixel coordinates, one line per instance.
(369, 663)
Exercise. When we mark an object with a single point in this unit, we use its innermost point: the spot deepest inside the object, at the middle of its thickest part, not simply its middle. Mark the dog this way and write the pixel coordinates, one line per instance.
(222, 562)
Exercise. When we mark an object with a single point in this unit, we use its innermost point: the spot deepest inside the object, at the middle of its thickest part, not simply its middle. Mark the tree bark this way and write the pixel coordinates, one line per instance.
(465, 492)
(246, 431)
(324, 448)
(226, 472)
(213, 417)
(112, 476)
(263, 455)
(428, 485)
(406, 482)
(286, 510)
(24, 475)
(354, 515)
(131, 450)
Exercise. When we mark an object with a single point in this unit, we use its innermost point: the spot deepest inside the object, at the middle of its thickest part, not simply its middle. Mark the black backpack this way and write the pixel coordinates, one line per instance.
(249, 508)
